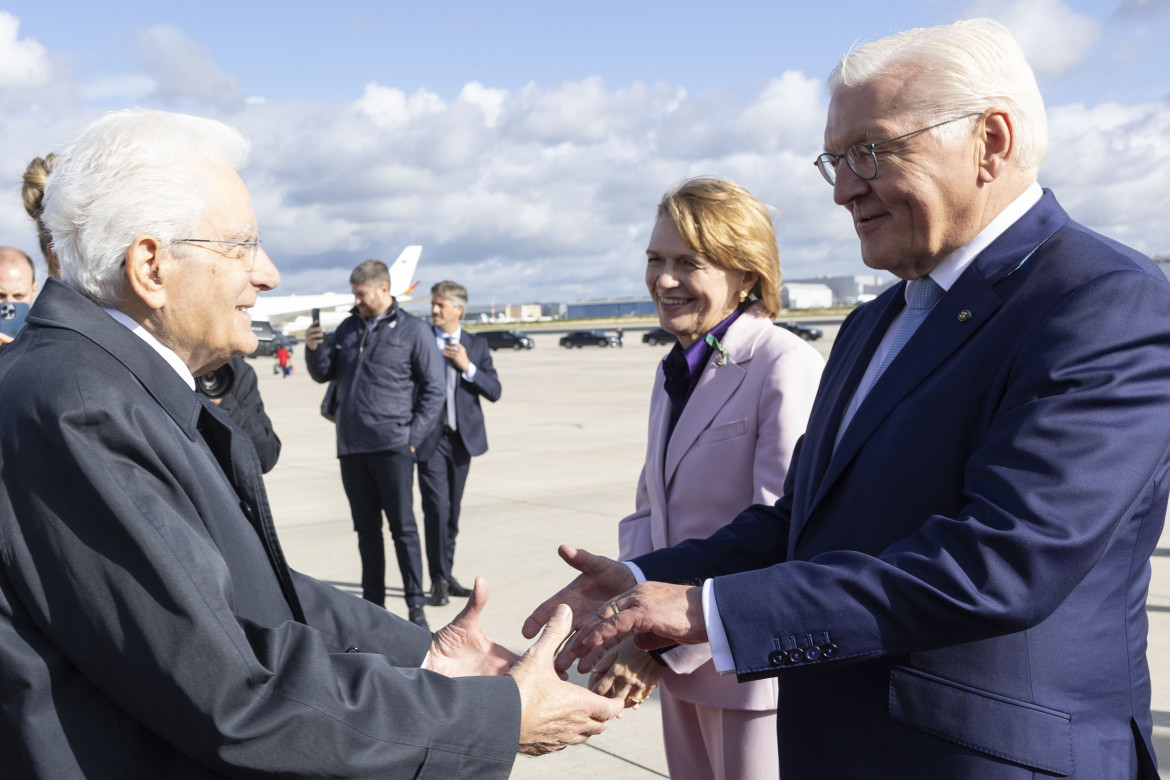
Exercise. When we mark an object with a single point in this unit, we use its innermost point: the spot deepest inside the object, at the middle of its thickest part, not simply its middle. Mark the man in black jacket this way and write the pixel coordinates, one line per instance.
(389, 393)
(149, 624)
(244, 405)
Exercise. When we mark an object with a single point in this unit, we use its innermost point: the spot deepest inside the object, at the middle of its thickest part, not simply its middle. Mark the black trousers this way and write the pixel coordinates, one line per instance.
(441, 479)
(376, 483)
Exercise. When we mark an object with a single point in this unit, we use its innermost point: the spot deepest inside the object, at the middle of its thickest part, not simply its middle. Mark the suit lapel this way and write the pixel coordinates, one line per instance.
(716, 385)
(958, 315)
(655, 460)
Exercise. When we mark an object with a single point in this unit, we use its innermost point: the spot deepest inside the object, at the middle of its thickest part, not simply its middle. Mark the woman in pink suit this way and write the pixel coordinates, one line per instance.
(729, 402)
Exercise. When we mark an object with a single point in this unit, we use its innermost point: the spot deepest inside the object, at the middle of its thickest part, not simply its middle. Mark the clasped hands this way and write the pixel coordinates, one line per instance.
(604, 605)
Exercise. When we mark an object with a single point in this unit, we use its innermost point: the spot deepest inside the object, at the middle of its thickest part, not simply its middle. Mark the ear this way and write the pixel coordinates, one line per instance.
(145, 276)
(997, 147)
(749, 280)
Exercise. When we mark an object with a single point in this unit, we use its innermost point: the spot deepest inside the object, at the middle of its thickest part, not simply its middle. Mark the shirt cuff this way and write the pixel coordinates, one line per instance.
(639, 577)
(469, 374)
(716, 636)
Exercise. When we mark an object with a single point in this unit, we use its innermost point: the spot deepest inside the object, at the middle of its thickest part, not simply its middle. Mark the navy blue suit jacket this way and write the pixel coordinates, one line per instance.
(468, 414)
(958, 591)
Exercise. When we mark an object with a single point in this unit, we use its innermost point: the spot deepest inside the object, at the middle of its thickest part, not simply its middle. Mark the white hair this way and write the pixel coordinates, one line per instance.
(972, 65)
(131, 173)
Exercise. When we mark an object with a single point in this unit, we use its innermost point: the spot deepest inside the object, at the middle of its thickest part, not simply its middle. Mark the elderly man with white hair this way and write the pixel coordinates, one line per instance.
(149, 625)
(953, 584)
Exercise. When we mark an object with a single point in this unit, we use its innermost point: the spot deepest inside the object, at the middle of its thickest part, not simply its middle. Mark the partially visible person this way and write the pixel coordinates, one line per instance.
(18, 282)
(33, 195)
(389, 386)
(954, 584)
(444, 457)
(283, 358)
(244, 405)
(729, 402)
(149, 624)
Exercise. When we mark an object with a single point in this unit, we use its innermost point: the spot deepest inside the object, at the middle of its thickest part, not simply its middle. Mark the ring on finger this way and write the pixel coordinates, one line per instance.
(613, 605)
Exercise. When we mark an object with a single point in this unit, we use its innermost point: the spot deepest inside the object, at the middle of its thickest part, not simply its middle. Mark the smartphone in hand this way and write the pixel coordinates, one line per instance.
(12, 314)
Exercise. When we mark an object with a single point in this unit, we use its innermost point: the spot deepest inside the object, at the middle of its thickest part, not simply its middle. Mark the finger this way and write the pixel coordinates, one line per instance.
(475, 604)
(596, 655)
(555, 631)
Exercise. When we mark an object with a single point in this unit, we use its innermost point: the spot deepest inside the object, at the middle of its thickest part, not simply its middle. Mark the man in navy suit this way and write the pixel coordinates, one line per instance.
(954, 583)
(444, 457)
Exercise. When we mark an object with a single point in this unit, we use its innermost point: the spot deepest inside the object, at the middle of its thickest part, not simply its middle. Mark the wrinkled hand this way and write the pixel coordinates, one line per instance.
(600, 580)
(660, 614)
(555, 713)
(626, 673)
(5, 339)
(461, 649)
(314, 335)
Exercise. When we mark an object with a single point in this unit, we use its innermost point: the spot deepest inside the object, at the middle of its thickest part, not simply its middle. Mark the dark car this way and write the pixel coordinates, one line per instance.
(266, 339)
(507, 339)
(588, 338)
(804, 331)
(658, 336)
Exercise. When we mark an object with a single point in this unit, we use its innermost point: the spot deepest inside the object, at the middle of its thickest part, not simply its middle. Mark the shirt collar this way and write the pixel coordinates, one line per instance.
(442, 334)
(166, 352)
(952, 267)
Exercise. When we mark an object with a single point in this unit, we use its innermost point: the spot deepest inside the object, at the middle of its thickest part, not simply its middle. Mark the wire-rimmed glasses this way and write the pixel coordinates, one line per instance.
(248, 249)
(861, 157)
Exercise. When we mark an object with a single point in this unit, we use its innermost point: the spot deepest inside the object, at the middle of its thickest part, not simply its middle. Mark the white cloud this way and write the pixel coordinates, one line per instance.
(1054, 37)
(23, 63)
(389, 107)
(183, 71)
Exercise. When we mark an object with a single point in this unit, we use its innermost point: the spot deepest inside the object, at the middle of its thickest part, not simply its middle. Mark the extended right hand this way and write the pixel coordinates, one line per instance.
(314, 336)
(555, 713)
(600, 580)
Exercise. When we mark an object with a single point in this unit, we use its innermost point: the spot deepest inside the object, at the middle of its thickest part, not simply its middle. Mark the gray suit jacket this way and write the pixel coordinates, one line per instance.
(149, 626)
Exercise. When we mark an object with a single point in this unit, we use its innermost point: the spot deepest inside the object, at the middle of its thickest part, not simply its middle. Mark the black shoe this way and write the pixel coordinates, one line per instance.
(439, 594)
(418, 618)
(457, 590)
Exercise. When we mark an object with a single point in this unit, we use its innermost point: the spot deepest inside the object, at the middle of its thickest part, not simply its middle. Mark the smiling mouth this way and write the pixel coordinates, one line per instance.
(668, 301)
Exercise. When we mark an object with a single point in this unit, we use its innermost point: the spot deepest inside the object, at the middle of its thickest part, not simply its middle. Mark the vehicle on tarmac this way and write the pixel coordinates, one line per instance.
(804, 331)
(507, 339)
(588, 338)
(658, 336)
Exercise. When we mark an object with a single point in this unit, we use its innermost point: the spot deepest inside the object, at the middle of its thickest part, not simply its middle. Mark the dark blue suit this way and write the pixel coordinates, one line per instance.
(963, 583)
(444, 459)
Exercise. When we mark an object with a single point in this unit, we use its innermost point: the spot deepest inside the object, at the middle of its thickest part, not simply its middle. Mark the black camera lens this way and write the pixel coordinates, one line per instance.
(217, 383)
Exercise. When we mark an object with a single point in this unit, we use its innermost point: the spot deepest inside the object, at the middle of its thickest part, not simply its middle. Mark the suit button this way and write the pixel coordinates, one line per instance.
(777, 658)
(795, 656)
(813, 653)
(352, 649)
(829, 650)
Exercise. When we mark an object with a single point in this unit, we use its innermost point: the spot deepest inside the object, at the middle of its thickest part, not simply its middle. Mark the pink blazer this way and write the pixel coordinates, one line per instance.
(730, 449)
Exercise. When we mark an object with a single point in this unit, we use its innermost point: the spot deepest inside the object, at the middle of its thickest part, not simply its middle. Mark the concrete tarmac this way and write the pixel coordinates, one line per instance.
(567, 440)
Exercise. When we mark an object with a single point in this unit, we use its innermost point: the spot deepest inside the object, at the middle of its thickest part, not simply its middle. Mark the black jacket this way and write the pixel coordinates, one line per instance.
(389, 382)
(149, 625)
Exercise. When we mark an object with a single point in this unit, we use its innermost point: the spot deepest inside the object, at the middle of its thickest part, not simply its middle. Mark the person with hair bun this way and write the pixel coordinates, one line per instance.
(33, 194)
(728, 404)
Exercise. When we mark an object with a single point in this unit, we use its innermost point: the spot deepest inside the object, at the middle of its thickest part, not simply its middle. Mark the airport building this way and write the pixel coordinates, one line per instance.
(609, 307)
(845, 290)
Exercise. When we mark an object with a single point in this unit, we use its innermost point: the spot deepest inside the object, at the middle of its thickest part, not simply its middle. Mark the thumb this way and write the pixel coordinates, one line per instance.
(556, 630)
(581, 560)
(469, 615)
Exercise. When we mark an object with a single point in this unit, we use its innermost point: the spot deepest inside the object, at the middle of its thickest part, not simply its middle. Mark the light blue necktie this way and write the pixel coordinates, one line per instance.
(452, 381)
(924, 294)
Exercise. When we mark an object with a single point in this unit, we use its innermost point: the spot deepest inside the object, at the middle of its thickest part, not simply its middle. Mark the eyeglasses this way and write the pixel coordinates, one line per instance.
(248, 249)
(862, 159)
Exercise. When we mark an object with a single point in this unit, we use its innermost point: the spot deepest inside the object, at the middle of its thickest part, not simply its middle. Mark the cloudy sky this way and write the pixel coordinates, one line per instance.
(525, 144)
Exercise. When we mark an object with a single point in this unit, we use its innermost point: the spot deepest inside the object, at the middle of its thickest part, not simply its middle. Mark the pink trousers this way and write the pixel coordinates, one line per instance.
(707, 743)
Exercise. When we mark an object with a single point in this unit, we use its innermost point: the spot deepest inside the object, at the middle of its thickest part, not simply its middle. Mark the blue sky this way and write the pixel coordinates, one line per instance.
(526, 144)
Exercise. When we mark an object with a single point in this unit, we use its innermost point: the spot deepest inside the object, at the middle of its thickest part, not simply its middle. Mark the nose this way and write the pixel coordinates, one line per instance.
(264, 273)
(849, 185)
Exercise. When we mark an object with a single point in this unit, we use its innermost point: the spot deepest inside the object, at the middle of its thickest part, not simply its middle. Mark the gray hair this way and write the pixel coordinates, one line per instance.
(971, 65)
(131, 173)
(372, 272)
(452, 291)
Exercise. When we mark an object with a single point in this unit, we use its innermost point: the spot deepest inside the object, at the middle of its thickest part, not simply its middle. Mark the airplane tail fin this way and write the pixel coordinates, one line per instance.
(402, 272)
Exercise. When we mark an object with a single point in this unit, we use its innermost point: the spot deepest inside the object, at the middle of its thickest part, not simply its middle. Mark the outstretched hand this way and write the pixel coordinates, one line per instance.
(461, 649)
(659, 613)
(555, 713)
(626, 673)
(600, 580)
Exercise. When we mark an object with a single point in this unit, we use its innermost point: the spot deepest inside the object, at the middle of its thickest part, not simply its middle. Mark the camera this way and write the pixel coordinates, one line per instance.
(217, 383)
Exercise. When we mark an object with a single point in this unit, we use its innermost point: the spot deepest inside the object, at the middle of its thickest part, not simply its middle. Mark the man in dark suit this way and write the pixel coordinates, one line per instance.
(149, 624)
(954, 583)
(444, 457)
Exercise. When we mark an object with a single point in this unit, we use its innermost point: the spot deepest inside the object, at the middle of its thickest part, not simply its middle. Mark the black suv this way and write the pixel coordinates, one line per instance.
(507, 339)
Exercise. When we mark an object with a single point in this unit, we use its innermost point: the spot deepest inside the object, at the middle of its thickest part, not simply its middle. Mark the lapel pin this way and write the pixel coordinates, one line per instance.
(965, 315)
(714, 344)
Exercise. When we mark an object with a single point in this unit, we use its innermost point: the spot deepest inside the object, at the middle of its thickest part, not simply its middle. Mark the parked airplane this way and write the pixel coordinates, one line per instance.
(293, 313)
